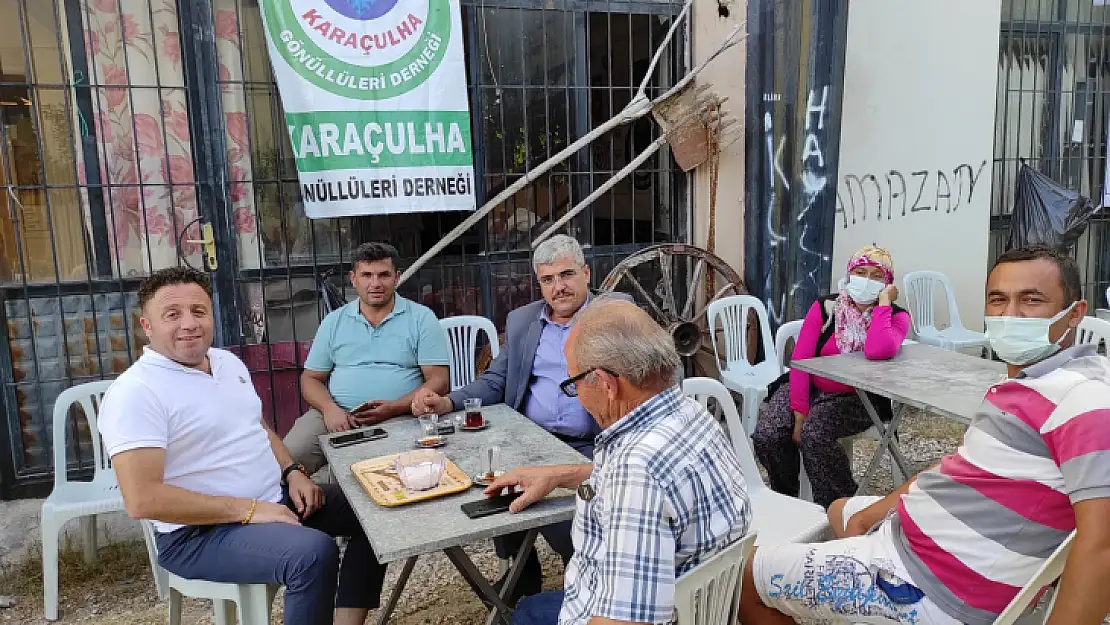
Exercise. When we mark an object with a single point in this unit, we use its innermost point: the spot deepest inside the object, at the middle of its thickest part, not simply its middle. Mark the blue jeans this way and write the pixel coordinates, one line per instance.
(541, 609)
(302, 558)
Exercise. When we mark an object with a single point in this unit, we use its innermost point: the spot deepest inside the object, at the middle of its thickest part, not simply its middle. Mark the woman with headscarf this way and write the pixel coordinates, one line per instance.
(808, 414)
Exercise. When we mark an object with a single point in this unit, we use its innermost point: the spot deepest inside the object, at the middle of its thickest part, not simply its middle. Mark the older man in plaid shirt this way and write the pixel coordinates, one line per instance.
(665, 490)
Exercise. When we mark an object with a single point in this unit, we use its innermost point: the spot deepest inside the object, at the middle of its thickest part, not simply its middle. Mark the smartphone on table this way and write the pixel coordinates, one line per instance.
(489, 505)
(354, 438)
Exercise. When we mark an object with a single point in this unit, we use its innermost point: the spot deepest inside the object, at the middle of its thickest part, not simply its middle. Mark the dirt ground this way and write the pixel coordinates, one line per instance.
(119, 589)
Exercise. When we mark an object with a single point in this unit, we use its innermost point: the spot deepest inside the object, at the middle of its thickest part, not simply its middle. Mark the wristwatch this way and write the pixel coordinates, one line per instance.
(296, 466)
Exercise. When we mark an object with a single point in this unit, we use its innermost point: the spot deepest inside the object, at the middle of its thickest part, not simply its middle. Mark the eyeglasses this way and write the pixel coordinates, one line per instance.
(563, 276)
(568, 386)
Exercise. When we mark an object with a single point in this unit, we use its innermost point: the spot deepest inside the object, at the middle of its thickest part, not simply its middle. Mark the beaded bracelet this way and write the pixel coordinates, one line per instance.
(250, 513)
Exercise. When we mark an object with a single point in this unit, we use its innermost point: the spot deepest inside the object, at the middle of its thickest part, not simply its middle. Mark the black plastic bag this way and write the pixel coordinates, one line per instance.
(1046, 213)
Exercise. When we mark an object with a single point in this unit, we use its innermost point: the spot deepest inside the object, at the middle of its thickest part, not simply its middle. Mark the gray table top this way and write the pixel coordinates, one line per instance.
(937, 380)
(430, 526)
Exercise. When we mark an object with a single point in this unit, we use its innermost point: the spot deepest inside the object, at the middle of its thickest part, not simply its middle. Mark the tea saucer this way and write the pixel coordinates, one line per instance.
(431, 442)
(484, 425)
(485, 480)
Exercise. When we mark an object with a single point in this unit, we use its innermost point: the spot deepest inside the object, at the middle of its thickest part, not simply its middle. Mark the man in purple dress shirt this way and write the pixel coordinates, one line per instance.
(526, 376)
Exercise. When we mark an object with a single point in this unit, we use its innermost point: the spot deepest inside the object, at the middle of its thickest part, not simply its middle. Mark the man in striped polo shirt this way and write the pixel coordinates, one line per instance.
(957, 543)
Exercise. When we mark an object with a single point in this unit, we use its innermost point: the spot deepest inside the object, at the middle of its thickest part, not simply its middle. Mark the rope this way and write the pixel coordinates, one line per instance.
(713, 146)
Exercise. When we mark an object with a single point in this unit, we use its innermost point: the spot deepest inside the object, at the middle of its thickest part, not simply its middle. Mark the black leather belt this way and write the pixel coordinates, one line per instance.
(573, 439)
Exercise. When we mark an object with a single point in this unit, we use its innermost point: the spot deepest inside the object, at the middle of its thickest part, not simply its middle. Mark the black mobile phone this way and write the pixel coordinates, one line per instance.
(366, 405)
(445, 428)
(354, 438)
(490, 505)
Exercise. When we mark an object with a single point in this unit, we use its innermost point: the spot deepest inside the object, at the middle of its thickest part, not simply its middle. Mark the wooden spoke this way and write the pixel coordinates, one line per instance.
(643, 293)
(691, 290)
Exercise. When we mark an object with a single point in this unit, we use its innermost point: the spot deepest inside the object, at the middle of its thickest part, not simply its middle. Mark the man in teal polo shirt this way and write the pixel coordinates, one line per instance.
(370, 355)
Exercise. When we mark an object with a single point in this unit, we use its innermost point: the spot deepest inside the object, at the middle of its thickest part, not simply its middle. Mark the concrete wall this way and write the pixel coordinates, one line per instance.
(726, 75)
(917, 139)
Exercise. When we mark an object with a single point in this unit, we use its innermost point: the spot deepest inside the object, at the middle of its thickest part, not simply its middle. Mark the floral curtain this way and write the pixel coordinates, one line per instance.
(142, 135)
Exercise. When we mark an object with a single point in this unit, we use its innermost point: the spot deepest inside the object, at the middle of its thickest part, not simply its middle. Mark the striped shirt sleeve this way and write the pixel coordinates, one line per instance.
(1078, 436)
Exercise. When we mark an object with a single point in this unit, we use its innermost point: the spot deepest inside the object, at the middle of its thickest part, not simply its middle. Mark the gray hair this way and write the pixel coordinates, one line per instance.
(619, 336)
(558, 247)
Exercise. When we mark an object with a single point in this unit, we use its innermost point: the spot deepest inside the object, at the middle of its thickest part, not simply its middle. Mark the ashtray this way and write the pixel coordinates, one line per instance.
(485, 424)
(431, 442)
(487, 479)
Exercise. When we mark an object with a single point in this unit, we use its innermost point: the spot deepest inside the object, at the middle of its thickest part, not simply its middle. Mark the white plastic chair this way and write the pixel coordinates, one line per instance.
(462, 336)
(710, 593)
(920, 289)
(250, 603)
(777, 518)
(737, 373)
(789, 332)
(72, 499)
(1049, 572)
(1092, 331)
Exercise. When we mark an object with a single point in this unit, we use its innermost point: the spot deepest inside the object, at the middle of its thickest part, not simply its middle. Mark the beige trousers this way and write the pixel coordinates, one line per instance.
(303, 441)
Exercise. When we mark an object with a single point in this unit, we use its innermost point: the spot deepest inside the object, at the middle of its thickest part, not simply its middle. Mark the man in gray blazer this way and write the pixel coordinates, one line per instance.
(527, 373)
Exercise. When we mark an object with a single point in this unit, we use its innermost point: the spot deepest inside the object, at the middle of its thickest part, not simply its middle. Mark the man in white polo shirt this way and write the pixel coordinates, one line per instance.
(184, 429)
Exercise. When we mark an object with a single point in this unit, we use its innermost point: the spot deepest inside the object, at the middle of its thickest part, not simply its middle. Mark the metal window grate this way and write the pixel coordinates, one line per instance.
(116, 135)
(1053, 113)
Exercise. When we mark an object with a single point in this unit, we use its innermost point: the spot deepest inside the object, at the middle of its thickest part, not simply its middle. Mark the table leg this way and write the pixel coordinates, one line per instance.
(514, 573)
(395, 595)
(886, 443)
(478, 581)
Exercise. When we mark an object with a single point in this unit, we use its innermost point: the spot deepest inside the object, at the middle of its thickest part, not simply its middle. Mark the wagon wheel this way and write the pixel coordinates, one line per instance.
(668, 281)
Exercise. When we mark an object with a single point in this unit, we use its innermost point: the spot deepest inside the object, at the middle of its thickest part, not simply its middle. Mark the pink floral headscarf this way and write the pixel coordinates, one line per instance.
(851, 323)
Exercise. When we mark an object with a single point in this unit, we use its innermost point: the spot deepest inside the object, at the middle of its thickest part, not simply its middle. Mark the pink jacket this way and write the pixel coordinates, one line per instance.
(884, 338)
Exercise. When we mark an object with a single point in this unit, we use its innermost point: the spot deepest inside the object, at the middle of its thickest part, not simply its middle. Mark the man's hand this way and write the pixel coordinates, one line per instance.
(375, 412)
(266, 512)
(888, 295)
(425, 401)
(537, 482)
(336, 419)
(799, 419)
(306, 496)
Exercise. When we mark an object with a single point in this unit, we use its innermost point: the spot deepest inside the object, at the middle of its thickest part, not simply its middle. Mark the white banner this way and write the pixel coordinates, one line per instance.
(375, 103)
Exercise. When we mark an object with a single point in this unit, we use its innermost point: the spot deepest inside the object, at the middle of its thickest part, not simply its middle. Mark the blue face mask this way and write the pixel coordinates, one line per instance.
(1024, 340)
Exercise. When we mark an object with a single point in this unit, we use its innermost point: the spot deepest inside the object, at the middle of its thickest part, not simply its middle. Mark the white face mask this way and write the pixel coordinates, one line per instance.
(1024, 340)
(864, 291)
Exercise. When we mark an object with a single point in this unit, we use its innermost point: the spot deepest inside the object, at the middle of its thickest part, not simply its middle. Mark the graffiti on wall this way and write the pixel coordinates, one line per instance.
(903, 193)
(812, 180)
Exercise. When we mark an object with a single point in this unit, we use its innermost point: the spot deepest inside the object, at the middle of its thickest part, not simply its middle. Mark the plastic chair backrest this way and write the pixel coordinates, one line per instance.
(787, 332)
(701, 390)
(733, 312)
(920, 289)
(462, 335)
(1092, 331)
(1049, 572)
(710, 593)
(88, 396)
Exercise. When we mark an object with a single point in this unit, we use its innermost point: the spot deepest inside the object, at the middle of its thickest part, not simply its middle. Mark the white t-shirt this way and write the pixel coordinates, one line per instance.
(209, 425)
